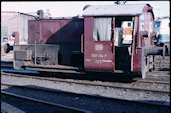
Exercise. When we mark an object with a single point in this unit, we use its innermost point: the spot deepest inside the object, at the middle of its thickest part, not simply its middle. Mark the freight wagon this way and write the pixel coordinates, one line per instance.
(108, 38)
(12, 22)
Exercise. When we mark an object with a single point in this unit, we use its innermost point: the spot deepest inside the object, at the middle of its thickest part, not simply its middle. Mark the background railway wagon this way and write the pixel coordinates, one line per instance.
(162, 28)
(12, 21)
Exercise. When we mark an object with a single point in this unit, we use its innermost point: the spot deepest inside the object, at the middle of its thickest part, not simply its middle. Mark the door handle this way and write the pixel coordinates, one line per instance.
(113, 46)
(82, 43)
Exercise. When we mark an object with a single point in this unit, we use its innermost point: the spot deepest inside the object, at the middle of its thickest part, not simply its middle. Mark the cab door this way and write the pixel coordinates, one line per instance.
(98, 43)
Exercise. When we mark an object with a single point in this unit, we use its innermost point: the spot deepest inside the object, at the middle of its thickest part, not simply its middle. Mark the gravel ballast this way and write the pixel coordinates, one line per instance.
(95, 104)
(90, 90)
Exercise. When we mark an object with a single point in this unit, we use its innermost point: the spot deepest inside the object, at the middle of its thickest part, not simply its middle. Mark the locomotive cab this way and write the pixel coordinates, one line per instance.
(117, 34)
(112, 38)
(123, 48)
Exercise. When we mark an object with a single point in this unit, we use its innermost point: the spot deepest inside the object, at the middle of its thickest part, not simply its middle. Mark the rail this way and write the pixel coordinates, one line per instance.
(87, 83)
(73, 108)
(46, 102)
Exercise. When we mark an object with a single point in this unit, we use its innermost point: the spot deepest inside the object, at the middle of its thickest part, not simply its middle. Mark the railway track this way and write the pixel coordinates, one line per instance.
(151, 104)
(6, 64)
(161, 63)
(154, 81)
(87, 83)
(68, 108)
(154, 77)
(159, 74)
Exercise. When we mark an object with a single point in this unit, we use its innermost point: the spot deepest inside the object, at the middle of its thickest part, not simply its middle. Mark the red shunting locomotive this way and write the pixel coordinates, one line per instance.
(108, 38)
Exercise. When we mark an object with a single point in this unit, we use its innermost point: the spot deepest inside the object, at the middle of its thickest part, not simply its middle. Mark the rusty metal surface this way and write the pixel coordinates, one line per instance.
(56, 31)
(148, 17)
(97, 54)
(33, 31)
(17, 38)
(23, 55)
(88, 28)
(137, 60)
(49, 54)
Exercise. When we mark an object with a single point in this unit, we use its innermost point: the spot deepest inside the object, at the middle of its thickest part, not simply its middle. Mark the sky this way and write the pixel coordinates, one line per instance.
(74, 8)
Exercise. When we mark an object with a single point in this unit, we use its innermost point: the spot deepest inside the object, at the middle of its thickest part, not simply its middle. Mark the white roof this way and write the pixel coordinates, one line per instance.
(109, 10)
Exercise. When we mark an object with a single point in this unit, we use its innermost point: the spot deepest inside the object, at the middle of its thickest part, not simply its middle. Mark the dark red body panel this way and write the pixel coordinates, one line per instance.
(98, 55)
(33, 31)
(56, 31)
(16, 40)
(88, 28)
(137, 60)
(143, 41)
